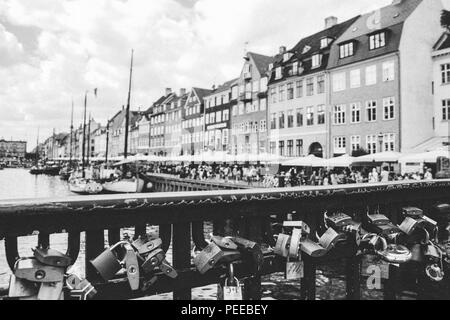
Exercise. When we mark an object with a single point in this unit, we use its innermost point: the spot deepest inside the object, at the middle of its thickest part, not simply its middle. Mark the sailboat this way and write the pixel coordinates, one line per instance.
(67, 171)
(84, 185)
(126, 185)
(37, 169)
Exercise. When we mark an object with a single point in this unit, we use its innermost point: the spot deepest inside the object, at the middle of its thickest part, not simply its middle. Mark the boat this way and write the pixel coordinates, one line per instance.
(65, 173)
(37, 170)
(132, 185)
(52, 169)
(84, 186)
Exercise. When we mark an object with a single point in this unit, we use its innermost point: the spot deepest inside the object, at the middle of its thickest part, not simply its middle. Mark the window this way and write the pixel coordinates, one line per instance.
(320, 84)
(299, 148)
(389, 142)
(339, 114)
(278, 73)
(299, 85)
(263, 84)
(388, 71)
(310, 116)
(377, 40)
(324, 42)
(281, 90)
(263, 104)
(273, 94)
(356, 142)
(445, 70)
(212, 118)
(316, 60)
(371, 144)
(281, 147)
(371, 107)
(273, 121)
(300, 117)
(281, 118)
(339, 82)
(219, 116)
(290, 148)
(446, 110)
(356, 112)
(371, 75)
(340, 145)
(290, 118)
(346, 50)
(235, 111)
(255, 86)
(355, 78)
(263, 126)
(321, 114)
(226, 115)
(310, 86)
(241, 109)
(290, 91)
(389, 108)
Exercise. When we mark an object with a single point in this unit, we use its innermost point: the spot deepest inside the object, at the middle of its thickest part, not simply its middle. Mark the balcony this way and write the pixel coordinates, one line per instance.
(247, 76)
(245, 97)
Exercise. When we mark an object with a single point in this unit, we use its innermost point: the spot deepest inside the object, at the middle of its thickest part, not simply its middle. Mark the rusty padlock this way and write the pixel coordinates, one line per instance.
(208, 258)
(52, 257)
(32, 270)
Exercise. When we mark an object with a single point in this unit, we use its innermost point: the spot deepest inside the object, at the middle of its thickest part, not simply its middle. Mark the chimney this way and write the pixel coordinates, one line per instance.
(168, 91)
(330, 22)
(282, 50)
(182, 91)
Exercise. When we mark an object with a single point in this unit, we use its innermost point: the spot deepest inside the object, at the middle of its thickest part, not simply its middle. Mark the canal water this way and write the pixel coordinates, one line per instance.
(20, 184)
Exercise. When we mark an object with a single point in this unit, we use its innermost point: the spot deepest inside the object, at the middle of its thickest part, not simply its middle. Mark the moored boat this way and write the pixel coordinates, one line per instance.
(36, 170)
(132, 185)
(84, 186)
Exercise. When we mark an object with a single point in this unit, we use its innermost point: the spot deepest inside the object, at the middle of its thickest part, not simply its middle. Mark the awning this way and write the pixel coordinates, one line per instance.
(344, 161)
(381, 157)
(309, 161)
(425, 157)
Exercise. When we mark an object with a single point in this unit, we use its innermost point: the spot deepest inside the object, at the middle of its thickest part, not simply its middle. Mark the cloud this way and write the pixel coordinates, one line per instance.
(84, 44)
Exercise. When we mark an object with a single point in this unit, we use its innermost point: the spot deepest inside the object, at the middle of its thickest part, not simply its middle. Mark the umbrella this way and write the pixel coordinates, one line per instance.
(344, 161)
(379, 157)
(309, 161)
(426, 157)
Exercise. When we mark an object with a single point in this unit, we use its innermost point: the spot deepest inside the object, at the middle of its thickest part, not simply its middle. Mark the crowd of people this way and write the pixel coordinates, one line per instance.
(260, 175)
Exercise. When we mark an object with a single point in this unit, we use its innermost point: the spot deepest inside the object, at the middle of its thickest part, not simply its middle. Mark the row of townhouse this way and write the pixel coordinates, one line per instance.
(379, 82)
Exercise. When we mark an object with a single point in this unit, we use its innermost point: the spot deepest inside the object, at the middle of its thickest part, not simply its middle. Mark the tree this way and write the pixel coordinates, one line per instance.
(445, 19)
(359, 152)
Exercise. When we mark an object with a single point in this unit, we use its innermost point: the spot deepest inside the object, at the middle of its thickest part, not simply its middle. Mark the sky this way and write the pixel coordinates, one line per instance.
(53, 51)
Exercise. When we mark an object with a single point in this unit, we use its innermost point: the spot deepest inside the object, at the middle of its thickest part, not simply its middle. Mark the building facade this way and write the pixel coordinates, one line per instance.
(381, 97)
(173, 124)
(249, 115)
(218, 106)
(298, 94)
(193, 125)
(12, 149)
(117, 125)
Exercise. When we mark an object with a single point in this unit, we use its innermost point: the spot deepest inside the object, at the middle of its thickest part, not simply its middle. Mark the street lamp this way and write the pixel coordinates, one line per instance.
(380, 141)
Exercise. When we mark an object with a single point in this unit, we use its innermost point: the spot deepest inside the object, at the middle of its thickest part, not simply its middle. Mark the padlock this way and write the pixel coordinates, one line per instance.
(430, 224)
(168, 270)
(312, 248)
(417, 253)
(412, 212)
(298, 225)
(393, 253)
(282, 245)
(224, 243)
(52, 257)
(153, 260)
(330, 238)
(107, 264)
(337, 221)
(144, 246)
(250, 251)
(432, 252)
(132, 267)
(294, 270)
(208, 258)
(380, 224)
(19, 288)
(434, 272)
(232, 291)
(149, 283)
(80, 289)
(50, 291)
(32, 270)
(294, 247)
(378, 219)
(409, 225)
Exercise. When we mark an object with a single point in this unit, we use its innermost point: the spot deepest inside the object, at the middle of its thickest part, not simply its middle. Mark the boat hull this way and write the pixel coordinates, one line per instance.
(124, 186)
(85, 187)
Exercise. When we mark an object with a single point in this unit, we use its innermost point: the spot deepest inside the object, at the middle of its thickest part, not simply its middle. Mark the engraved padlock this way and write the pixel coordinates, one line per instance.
(52, 257)
(224, 243)
(312, 248)
(153, 260)
(50, 291)
(132, 267)
(330, 238)
(32, 270)
(409, 225)
(282, 245)
(337, 221)
(295, 245)
(144, 246)
(108, 263)
(393, 253)
(208, 258)
(20, 288)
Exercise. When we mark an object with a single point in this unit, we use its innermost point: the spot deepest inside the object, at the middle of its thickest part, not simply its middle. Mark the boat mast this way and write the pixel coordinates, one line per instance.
(84, 137)
(71, 137)
(107, 143)
(53, 144)
(89, 140)
(37, 148)
(127, 115)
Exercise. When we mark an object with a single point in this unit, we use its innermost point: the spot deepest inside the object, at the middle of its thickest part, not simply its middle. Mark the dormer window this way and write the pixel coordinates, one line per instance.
(270, 66)
(278, 73)
(316, 60)
(306, 49)
(295, 68)
(377, 40)
(287, 56)
(346, 50)
(324, 42)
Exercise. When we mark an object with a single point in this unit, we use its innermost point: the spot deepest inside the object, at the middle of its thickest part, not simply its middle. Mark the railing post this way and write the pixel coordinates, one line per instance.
(182, 255)
(308, 283)
(95, 245)
(391, 284)
(353, 278)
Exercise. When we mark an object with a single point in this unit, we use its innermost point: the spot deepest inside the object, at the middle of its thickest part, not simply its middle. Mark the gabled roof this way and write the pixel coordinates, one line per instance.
(119, 119)
(389, 19)
(261, 62)
(443, 42)
(201, 93)
(158, 102)
(224, 87)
